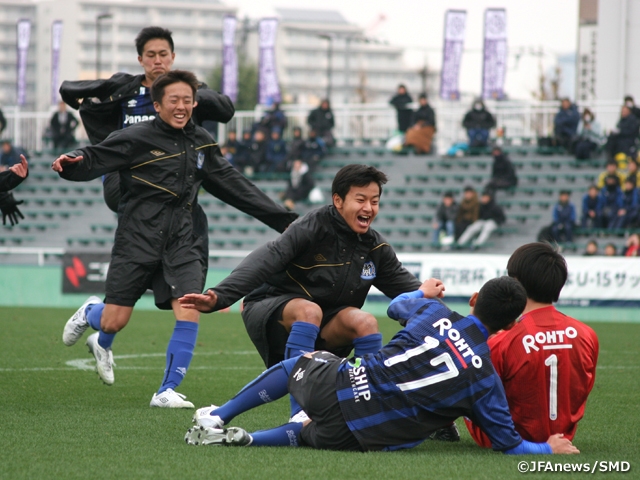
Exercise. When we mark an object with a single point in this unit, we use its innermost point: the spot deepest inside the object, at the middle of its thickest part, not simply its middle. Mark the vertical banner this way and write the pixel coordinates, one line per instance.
(454, 31)
(229, 58)
(495, 53)
(56, 40)
(24, 35)
(268, 88)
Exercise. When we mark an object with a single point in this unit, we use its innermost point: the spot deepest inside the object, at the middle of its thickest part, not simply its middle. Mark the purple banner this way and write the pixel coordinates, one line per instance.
(56, 40)
(229, 58)
(268, 88)
(24, 35)
(495, 53)
(454, 31)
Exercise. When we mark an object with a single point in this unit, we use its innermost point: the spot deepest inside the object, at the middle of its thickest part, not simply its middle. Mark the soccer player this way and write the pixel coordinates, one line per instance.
(156, 242)
(547, 362)
(434, 370)
(305, 290)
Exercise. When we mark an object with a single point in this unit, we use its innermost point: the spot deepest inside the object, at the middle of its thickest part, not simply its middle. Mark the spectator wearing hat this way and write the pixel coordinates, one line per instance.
(564, 218)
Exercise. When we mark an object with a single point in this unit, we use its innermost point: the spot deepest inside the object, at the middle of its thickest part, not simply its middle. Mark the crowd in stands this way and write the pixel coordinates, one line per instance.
(418, 126)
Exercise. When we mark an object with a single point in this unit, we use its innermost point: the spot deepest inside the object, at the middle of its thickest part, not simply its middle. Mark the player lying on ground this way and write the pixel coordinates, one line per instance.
(433, 371)
(547, 362)
(162, 164)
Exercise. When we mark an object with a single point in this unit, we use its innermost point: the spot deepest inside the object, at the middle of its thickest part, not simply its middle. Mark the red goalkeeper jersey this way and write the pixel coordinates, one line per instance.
(547, 364)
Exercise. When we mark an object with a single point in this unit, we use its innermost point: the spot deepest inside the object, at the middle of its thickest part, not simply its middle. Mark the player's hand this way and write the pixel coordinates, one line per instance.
(63, 160)
(21, 169)
(432, 288)
(561, 445)
(203, 302)
(9, 208)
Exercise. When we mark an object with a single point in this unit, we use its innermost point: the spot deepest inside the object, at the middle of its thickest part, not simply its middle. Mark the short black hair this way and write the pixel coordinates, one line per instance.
(565, 192)
(540, 269)
(150, 33)
(169, 78)
(628, 98)
(448, 194)
(423, 95)
(500, 301)
(356, 175)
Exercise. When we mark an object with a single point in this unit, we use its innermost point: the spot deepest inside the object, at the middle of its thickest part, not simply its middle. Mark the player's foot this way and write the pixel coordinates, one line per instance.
(234, 436)
(170, 399)
(104, 359)
(446, 434)
(77, 324)
(203, 417)
(299, 417)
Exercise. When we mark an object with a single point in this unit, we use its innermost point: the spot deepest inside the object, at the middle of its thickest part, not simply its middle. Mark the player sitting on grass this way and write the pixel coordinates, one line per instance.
(547, 362)
(433, 371)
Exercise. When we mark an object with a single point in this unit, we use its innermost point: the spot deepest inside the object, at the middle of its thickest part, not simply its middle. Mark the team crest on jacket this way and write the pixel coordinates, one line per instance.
(368, 271)
(200, 160)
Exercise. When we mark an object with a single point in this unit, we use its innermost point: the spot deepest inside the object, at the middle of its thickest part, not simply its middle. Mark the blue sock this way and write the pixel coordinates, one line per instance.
(302, 339)
(179, 353)
(269, 386)
(94, 314)
(287, 435)
(367, 344)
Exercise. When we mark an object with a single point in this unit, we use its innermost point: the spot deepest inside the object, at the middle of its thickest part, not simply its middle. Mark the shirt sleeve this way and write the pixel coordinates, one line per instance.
(393, 279)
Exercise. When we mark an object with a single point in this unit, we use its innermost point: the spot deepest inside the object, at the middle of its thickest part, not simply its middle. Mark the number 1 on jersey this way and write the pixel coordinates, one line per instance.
(552, 363)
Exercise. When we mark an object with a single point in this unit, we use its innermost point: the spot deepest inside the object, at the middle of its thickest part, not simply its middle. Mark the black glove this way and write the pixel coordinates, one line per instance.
(9, 208)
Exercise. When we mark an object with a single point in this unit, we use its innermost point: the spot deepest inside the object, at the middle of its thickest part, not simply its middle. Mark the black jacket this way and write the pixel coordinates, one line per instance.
(9, 180)
(101, 110)
(161, 169)
(426, 115)
(491, 211)
(480, 119)
(321, 259)
(321, 120)
(503, 169)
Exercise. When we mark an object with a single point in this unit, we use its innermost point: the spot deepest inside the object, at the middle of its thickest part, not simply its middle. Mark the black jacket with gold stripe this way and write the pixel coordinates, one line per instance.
(161, 169)
(320, 258)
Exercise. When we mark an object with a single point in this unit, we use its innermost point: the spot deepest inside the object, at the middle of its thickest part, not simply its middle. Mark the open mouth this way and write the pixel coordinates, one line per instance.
(179, 116)
(364, 220)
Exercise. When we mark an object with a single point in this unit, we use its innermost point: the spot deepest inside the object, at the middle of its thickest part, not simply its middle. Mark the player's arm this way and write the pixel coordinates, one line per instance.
(392, 278)
(15, 175)
(212, 106)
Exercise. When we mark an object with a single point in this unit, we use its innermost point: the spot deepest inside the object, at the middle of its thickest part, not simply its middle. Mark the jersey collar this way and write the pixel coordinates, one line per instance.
(480, 326)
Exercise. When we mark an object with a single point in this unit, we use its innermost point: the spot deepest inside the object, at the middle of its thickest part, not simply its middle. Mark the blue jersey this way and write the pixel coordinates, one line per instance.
(436, 369)
(138, 109)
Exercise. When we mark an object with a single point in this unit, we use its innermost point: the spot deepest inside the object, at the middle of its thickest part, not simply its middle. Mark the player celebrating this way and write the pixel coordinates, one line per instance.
(435, 369)
(162, 164)
(306, 287)
(547, 362)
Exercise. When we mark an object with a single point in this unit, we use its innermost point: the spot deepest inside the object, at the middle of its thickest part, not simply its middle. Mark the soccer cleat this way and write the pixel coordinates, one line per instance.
(104, 359)
(170, 399)
(299, 417)
(234, 436)
(77, 324)
(203, 417)
(446, 434)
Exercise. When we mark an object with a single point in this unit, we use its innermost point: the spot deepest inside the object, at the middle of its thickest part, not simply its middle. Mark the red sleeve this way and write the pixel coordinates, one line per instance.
(477, 434)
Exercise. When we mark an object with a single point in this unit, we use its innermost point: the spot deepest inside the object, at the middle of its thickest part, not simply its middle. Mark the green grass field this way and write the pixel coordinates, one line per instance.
(57, 420)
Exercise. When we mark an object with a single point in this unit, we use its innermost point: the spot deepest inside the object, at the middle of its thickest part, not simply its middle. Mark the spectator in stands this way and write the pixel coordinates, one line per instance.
(590, 209)
(478, 121)
(301, 183)
(420, 135)
(610, 250)
(632, 172)
(490, 217)
(10, 155)
(503, 172)
(321, 120)
(623, 138)
(468, 210)
(276, 152)
(3, 122)
(274, 119)
(445, 220)
(62, 125)
(628, 213)
(610, 201)
(631, 104)
(565, 124)
(633, 246)
(258, 154)
(564, 218)
(589, 136)
(313, 150)
(400, 102)
(591, 249)
(231, 145)
(294, 149)
(610, 169)
(10, 179)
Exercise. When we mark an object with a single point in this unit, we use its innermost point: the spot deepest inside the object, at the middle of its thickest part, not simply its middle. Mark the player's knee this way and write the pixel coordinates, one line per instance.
(363, 324)
(308, 312)
(111, 325)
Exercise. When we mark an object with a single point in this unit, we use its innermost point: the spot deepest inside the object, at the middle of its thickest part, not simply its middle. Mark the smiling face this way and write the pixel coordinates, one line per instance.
(359, 207)
(157, 59)
(177, 104)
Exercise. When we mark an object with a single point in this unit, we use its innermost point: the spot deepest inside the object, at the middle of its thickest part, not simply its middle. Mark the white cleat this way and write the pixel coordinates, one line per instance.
(104, 359)
(234, 436)
(77, 324)
(203, 417)
(299, 417)
(170, 399)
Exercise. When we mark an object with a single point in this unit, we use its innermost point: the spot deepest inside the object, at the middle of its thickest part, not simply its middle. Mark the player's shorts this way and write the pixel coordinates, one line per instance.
(262, 320)
(127, 281)
(313, 384)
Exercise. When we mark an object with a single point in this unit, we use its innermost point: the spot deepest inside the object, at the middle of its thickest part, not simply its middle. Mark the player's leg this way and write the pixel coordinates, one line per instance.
(286, 435)
(352, 326)
(470, 232)
(488, 226)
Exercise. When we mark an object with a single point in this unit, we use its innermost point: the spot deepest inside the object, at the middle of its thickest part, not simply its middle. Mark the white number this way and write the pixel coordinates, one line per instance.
(552, 362)
(429, 343)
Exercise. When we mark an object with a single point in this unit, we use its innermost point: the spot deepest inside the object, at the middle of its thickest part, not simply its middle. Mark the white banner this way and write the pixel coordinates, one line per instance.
(495, 53)
(268, 88)
(24, 36)
(454, 32)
